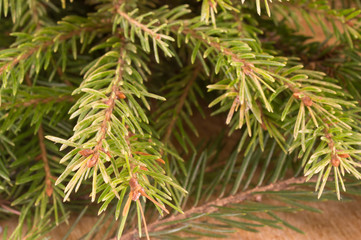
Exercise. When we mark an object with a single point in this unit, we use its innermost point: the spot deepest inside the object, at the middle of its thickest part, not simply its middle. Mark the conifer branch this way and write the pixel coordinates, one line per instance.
(212, 206)
(115, 148)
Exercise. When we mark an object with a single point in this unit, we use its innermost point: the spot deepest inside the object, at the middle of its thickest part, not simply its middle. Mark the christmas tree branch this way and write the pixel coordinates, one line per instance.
(25, 52)
(212, 206)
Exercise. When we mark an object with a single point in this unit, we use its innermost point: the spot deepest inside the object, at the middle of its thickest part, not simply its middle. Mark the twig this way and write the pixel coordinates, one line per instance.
(9, 209)
(212, 206)
(48, 176)
(136, 23)
(108, 113)
(35, 102)
(45, 44)
(180, 105)
(44, 157)
(216, 45)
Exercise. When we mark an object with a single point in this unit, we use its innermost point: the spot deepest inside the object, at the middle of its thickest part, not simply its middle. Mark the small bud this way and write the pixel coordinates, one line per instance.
(133, 183)
(335, 160)
(120, 95)
(86, 152)
(93, 160)
(343, 155)
(263, 126)
(307, 101)
(296, 95)
(160, 160)
(49, 190)
(108, 102)
(258, 198)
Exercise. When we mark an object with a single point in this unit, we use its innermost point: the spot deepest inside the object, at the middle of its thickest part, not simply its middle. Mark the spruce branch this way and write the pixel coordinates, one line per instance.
(345, 23)
(314, 98)
(212, 206)
(113, 152)
(38, 44)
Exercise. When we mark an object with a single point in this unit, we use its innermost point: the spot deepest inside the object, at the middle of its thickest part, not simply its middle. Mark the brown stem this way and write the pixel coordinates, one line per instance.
(211, 207)
(9, 209)
(48, 176)
(61, 74)
(216, 45)
(44, 157)
(45, 44)
(335, 157)
(108, 113)
(136, 23)
(34, 102)
(180, 105)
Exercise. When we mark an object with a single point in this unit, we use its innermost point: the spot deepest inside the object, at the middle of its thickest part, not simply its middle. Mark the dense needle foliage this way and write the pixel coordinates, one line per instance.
(115, 85)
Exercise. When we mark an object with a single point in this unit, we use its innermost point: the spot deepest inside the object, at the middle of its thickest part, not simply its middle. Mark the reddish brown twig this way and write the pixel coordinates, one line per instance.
(211, 207)
(114, 95)
(44, 156)
(9, 209)
(48, 176)
(135, 192)
(335, 156)
(38, 101)
(136, 23)
(44, 45)
(180, 104)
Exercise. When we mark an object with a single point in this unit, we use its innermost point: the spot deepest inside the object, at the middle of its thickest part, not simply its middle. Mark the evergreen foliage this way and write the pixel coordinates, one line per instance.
(115, 84)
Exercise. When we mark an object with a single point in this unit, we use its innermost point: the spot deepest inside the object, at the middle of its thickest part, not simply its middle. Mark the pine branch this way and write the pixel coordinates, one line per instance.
(212, 206)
